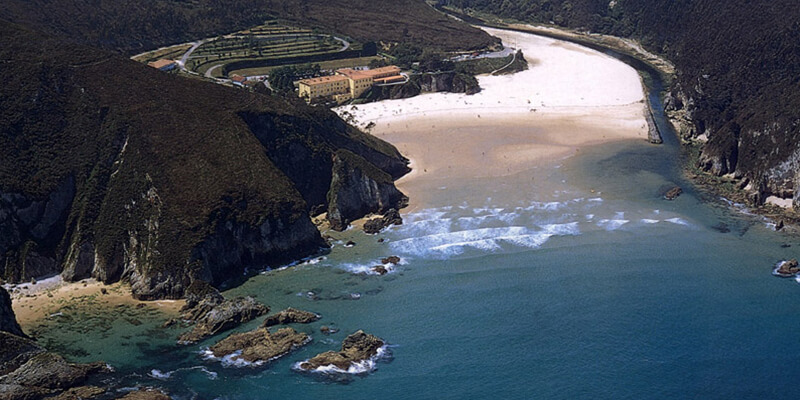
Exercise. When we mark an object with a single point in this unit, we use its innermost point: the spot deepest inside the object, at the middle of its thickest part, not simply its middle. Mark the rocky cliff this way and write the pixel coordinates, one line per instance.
(118, 171)
(8, 322)
(359, 188)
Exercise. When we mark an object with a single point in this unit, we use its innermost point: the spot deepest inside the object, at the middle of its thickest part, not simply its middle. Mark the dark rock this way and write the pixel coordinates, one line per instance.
(211, 313)
(380, 270)
(16, 351)
(51, 371)
(260, 345)
(358, 188)
(290, 316)
(780, 225)
(785, 245)
(19, 392)
(391, 260)
(787, 268)
(8, 321)
(350, 243)
(673, 193)
(375, 225)
(381, 240)
(355, 348)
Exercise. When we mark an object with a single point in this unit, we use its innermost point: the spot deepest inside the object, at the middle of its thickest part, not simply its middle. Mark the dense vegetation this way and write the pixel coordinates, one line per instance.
(738, 67)
(135, 25)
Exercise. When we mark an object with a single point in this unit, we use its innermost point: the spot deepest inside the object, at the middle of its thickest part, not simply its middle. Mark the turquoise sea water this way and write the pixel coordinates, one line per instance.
(574, 280)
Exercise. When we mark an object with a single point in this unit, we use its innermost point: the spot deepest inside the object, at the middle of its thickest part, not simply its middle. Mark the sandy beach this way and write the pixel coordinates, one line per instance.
(569, 98)
(34, 303)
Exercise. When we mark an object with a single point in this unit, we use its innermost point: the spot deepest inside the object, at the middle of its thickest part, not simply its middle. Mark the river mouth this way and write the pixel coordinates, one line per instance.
(566, 275)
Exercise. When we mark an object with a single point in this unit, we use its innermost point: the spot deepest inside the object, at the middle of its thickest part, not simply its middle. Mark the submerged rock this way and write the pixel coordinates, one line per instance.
(787, 268)
(259, 346)
(673, 193)
(212, 314)
(328, 330)
(290, 316)
(356, 348)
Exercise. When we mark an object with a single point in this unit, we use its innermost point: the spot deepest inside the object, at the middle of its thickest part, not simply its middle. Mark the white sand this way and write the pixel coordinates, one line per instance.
(561, 75)
(570, 97)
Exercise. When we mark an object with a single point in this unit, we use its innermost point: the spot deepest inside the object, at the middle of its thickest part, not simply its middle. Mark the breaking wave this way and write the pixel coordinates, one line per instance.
(356, 368)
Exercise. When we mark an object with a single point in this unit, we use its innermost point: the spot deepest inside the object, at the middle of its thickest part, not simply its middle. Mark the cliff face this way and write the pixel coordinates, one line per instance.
(357, 189)
(118, 171)
(8, 322)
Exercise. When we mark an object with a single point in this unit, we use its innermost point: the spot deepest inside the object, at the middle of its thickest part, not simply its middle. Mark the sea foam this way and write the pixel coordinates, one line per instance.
(443, 245)
(357, 368)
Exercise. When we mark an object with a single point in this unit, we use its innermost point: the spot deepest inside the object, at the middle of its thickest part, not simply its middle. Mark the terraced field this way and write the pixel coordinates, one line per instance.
(266, 46)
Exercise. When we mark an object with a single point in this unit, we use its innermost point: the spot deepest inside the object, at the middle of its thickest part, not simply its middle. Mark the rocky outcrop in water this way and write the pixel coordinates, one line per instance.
(211, 313)
(375, 225)
(356, 348)
(290, 316)
(787, 268)
(8, 322)
(673, 193)
(259, 346)
(357, 189)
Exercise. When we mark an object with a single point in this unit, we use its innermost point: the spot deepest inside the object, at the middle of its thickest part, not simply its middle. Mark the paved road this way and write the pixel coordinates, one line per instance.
(189, 52)
(210, 70)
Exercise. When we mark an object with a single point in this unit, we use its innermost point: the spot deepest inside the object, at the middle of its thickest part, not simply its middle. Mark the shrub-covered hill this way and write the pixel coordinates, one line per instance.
(136, 25)
(116, 170)
(738, 79)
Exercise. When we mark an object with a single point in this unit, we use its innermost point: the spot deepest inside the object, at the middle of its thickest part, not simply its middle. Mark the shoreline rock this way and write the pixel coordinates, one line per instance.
(212, 314)
(375, 225)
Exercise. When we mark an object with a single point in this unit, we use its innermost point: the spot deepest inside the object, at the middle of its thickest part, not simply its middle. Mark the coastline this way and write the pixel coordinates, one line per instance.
(779, 210)
(571, 97)
(34, 303)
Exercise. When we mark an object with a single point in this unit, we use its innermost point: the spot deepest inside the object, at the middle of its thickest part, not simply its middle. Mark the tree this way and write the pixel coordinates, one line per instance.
(369, 49)
(282, 79)
(377, 63)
